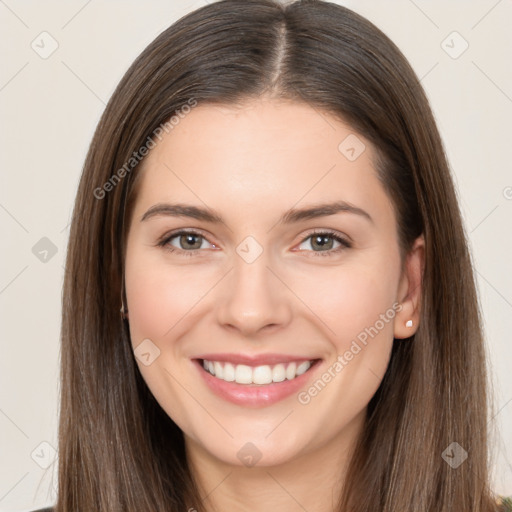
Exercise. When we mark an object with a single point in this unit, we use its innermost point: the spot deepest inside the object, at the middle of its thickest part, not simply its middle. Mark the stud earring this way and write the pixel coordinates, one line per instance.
(408, 323)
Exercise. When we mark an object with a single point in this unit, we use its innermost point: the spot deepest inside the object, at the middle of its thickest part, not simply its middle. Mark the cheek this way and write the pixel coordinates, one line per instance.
(349, 300)
(159, 295)
(353, 304)
(357, 314)
(152, 300)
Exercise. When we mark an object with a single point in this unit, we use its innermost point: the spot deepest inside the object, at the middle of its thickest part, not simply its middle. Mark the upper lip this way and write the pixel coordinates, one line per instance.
(255, 360)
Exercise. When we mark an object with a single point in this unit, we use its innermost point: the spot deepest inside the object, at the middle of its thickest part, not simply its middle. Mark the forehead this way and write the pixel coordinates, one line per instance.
(260, 155)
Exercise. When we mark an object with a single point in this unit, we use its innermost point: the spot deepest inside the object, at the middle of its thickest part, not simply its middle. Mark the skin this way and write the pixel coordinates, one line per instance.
(251, 163)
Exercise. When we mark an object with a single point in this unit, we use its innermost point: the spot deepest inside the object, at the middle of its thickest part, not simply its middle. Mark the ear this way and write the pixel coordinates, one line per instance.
(409, 290)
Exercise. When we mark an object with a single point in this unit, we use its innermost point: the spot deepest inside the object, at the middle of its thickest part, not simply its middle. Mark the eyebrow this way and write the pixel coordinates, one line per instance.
(291, 216)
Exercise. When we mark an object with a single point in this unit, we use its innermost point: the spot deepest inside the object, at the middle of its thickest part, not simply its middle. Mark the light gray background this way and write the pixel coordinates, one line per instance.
(50, 107)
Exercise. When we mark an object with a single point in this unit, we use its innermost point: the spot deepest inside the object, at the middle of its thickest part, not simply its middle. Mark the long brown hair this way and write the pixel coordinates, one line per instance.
(118, 450)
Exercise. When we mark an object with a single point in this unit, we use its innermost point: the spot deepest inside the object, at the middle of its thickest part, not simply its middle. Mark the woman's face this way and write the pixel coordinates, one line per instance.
(252, 285)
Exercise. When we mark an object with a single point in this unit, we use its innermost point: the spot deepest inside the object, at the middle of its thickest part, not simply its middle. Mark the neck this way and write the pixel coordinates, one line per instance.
(311, 481)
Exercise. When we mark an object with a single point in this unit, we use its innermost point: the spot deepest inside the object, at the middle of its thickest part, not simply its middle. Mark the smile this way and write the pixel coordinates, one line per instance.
(256, 386)
(264, 374)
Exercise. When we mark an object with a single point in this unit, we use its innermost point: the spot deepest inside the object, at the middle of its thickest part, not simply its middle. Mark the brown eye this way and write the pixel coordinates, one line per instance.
(322, 243)
(190, 241)
(187, 242)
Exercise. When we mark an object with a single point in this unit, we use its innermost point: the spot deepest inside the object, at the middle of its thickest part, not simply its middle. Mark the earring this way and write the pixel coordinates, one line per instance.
(408, 323)
(123, 311)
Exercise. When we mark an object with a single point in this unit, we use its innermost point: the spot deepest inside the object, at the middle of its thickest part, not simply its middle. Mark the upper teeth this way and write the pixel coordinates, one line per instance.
(243, 374)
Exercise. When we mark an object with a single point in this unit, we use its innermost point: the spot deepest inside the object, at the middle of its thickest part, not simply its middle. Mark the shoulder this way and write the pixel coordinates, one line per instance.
(504, 504)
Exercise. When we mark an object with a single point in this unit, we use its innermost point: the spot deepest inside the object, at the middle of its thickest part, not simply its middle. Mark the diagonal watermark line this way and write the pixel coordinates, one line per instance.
(218, 485)
(487, 427)
(322, 116)
(12, 12)
(198, 300)
(377, 377)
(13, 279)
(10, 490)
(306, 193)
(14, 76)
(486, 14)
(500, 409)
(14, 423)
(286, 491)
(428, 72)
(83, 82)
(424, 13)
(200, 404)
(301, 300)
(495, 415)
(299, 93)
(492, 211)
(280, 423)
(13, 217)
(165, 165)
(502, 296)
(492, 81)
(76, 14)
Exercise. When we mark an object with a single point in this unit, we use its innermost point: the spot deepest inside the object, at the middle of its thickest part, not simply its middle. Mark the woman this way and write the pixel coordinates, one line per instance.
(248, 370)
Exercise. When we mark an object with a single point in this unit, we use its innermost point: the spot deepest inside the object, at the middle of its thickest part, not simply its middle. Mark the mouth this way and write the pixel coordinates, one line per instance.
(261, 375)
(256, 386)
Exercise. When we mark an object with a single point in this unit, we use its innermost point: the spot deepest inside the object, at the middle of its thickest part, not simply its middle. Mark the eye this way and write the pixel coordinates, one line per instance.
(319, 239)
(189, 242)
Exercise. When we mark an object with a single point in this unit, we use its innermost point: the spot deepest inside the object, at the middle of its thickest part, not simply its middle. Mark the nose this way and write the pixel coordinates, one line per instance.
(254, 298)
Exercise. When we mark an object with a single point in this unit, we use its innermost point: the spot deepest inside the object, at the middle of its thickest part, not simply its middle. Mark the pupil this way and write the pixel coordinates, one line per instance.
(189, 239)
(320, 240)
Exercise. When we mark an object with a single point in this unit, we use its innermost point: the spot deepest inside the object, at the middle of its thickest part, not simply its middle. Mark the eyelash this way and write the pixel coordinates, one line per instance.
(164, 243)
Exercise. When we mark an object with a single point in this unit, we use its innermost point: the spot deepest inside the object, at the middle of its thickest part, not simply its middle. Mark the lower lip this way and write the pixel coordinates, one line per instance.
(253, 395)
